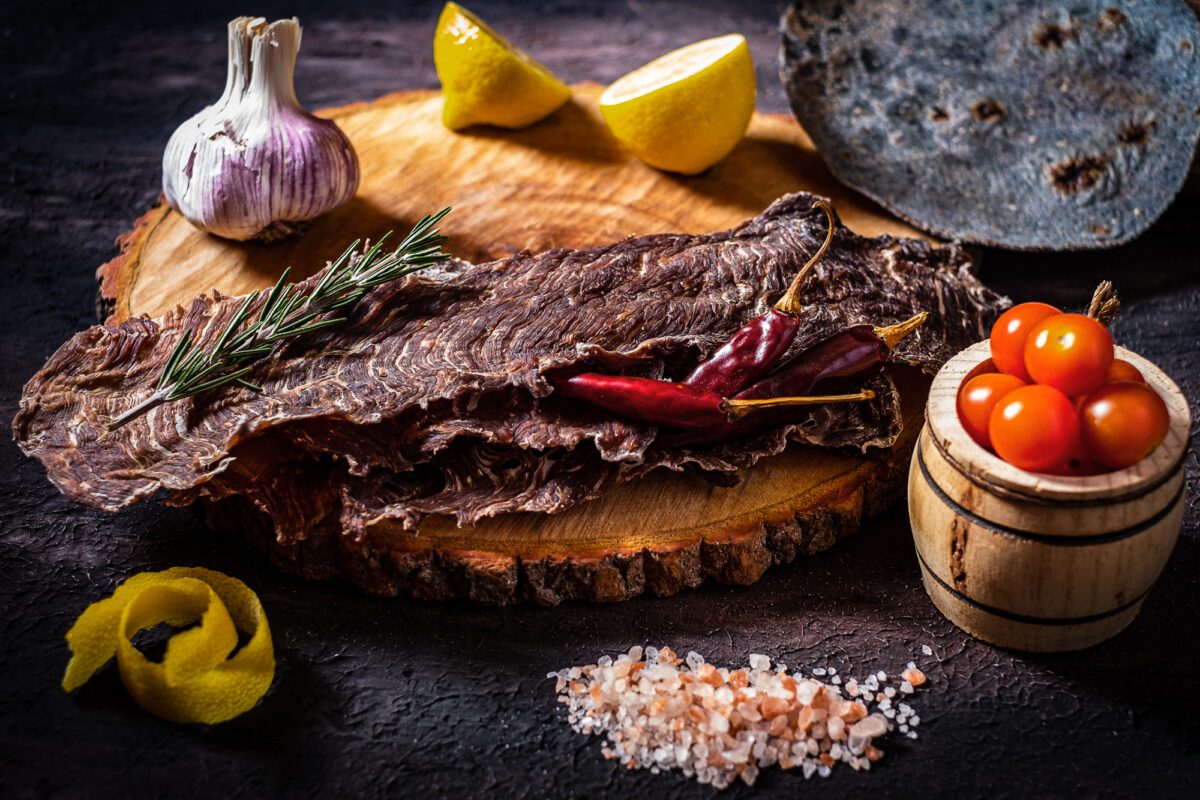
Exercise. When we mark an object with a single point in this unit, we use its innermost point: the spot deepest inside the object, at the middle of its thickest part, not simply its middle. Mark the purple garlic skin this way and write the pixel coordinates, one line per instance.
(255, 161)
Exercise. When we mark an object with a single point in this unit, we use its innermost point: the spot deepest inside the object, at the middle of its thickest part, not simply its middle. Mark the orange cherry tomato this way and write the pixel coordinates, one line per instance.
(1009, 335)
(1122, 423)
(1071, 352)
(1122, 370)
(1078, 464)
(978, 397)
(1034, 428)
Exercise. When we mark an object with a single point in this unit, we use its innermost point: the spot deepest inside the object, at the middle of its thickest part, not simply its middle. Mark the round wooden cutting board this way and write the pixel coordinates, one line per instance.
(561, 183)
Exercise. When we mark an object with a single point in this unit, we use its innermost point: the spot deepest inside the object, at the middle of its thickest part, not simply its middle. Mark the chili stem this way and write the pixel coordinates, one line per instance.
(891, 335)
(790, 302)
(736, 409)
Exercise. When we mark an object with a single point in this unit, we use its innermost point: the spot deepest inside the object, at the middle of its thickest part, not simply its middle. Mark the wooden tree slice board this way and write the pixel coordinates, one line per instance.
(562, 183)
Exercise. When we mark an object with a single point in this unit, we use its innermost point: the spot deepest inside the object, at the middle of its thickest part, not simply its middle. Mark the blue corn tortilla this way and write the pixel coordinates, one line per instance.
(1010, 124)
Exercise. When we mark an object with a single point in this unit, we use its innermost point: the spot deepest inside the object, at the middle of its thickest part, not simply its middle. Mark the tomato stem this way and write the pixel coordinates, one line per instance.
(1105, 304)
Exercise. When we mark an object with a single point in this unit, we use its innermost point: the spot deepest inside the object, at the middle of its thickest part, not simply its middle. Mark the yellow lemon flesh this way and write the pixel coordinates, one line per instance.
(487, 81)
(685, 111)
(200, 678)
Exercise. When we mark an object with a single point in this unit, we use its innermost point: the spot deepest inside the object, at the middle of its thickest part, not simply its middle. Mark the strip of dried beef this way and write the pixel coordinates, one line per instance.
(428, 397)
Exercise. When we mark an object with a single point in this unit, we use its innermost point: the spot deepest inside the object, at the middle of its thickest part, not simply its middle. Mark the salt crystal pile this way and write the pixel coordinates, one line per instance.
(718, 725)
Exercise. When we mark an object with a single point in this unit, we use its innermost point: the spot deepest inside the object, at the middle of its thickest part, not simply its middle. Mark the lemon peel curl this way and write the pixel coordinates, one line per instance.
(197, 680)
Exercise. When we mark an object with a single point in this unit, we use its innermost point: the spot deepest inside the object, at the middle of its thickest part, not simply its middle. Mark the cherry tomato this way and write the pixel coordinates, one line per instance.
(978, 397)
(1078, 464)
(1122, 423)
(1070, 352)
(1009, 335)
(1034, 428)
(1122, 370)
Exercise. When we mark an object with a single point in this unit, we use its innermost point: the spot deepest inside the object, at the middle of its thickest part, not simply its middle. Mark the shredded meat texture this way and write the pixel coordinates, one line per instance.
(433, 399)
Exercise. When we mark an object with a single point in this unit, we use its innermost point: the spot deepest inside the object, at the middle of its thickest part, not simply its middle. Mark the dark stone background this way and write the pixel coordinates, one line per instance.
(398, 698)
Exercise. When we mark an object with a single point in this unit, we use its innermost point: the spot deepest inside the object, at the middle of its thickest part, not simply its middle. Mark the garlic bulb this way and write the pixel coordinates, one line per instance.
(255, 161)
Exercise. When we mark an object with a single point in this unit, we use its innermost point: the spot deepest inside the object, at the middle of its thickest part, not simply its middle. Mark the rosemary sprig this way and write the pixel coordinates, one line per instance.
(287, 313)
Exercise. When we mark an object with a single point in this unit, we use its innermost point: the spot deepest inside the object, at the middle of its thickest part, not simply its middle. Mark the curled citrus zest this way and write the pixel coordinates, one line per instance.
(197, 680)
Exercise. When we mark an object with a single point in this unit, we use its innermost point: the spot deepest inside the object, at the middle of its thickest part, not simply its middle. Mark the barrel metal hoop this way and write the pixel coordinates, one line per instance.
(1057, 540)
(1026, 618)
(1009, 494)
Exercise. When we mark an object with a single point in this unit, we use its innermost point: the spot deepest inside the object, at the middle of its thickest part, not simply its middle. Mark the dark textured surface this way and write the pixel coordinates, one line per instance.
(1028, 125)
(399, 698)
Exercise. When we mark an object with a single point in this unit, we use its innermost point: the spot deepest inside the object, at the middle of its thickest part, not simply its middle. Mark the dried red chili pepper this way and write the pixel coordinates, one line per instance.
(855, 353)
(674, 405)
(828, 366)
(758, 345)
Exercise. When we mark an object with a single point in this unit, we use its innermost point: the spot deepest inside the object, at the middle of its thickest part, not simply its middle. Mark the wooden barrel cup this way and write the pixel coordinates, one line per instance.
(1039, 562)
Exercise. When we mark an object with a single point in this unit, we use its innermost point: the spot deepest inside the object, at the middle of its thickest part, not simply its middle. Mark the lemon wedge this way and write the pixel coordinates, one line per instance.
(685, 111)
(487, 81)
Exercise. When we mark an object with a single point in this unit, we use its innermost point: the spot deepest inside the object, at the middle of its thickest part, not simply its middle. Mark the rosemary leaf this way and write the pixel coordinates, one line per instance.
(288, 311)
(181, 350)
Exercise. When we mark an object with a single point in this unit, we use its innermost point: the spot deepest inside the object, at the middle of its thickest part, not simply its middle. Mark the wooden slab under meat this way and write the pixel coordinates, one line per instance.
(563, 182)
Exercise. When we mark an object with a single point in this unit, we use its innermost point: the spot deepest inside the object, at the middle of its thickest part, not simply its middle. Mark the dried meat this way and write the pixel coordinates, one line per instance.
(432, 399)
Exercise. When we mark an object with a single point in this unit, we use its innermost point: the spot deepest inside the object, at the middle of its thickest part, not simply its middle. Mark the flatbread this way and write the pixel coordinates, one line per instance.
(1003, 123)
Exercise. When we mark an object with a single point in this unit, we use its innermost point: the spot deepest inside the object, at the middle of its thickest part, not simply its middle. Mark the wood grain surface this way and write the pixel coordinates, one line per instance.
(563, 182)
